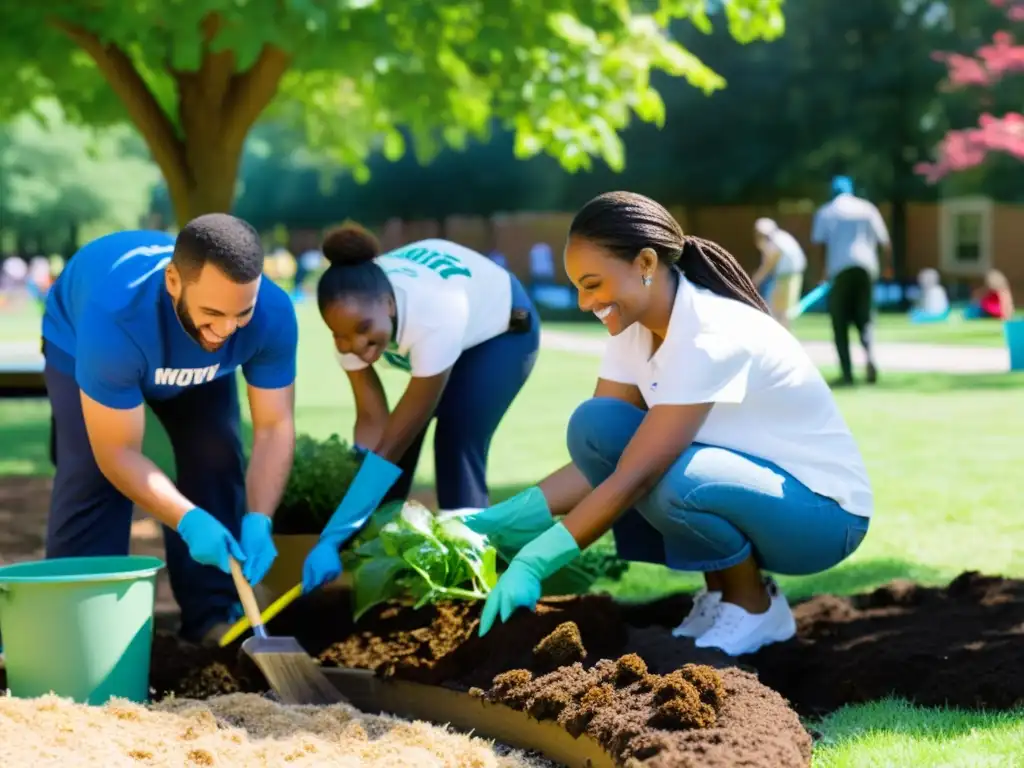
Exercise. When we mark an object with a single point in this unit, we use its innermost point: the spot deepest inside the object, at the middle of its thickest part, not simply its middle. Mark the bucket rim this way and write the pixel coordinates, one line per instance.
(135, 567)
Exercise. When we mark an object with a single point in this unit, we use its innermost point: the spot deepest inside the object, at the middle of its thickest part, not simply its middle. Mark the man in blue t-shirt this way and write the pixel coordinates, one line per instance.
(141, 318)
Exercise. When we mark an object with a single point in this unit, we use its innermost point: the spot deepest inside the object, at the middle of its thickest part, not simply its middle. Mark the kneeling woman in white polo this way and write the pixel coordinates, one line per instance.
(712, 443)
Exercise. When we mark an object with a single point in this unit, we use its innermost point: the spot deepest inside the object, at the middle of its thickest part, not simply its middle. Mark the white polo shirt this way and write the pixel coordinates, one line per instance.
(770, 401)
(449, 298)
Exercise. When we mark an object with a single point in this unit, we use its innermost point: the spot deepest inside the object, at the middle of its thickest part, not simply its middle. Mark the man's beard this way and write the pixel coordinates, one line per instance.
(181, 310)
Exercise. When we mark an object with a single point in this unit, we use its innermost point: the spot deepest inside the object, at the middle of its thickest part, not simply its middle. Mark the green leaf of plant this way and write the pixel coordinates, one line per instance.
(384, 515)
(429, 561)
(457, 534)
(375, 582)
(398, 538)
(371, 548)
(489, 569)
(468, 552)
(417, 518)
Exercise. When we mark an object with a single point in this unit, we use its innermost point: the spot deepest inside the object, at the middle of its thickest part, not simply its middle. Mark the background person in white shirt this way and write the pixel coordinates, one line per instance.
(783, 263)
(460, 325)
(932, 303)
(711, 444)
(851, 229)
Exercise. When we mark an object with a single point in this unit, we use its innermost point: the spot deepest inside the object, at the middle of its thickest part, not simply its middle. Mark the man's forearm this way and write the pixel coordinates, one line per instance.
(140, 480)
(273, 450)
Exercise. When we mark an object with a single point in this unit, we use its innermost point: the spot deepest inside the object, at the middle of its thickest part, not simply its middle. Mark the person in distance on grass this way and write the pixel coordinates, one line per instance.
(849, 230)
(782, 267)
(464, 329)
(143, 318)
(711, 444)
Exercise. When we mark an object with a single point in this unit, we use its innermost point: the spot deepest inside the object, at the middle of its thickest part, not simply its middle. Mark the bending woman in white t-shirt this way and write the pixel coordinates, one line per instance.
(711, 444)
(467, 333)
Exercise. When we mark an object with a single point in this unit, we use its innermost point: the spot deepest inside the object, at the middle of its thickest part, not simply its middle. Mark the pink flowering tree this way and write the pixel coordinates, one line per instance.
(968, 148)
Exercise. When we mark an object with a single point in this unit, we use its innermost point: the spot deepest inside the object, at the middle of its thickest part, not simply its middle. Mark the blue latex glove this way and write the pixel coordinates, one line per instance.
(208, 541)
(519, 586)
(322, 566)
(513, 523)
(258, 546)
(373, 480)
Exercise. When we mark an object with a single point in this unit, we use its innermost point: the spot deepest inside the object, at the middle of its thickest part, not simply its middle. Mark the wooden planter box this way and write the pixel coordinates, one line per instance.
(286, 571)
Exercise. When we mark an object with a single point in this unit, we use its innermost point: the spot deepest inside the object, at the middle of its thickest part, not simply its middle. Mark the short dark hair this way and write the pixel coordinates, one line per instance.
(227, 242)
(624, 223)
(351, 249)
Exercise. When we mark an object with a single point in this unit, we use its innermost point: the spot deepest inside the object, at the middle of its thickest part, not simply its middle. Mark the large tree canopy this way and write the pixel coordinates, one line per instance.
(194, 75)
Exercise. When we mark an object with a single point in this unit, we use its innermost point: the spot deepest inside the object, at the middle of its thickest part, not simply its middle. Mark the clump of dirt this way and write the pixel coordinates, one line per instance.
(701, 681)
(663, 721)
(630, 669)
(514, 686)
(563, 646)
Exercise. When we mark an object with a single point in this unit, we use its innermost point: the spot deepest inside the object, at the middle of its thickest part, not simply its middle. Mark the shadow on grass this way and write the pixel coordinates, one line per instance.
(935, 383)
(25, 446)
(860, 576)
(644, 582)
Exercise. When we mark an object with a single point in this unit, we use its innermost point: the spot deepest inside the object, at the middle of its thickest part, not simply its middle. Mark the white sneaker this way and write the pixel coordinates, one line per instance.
(737, 632)
(701, 616)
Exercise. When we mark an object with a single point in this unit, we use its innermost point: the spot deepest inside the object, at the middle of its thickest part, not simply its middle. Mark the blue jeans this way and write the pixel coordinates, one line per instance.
(714, 507)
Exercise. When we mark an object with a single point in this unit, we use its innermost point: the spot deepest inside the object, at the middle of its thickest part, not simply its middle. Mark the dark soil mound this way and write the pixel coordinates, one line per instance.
(959, 645)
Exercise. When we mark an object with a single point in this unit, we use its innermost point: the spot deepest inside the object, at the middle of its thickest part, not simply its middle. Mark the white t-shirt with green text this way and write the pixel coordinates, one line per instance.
(449, 298)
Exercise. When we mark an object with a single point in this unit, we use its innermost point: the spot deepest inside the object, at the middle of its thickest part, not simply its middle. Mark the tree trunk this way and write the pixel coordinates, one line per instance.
(209, 173)
(199, 152)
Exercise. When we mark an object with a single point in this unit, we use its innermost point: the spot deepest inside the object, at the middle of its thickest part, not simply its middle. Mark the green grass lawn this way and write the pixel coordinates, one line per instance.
(940, 460)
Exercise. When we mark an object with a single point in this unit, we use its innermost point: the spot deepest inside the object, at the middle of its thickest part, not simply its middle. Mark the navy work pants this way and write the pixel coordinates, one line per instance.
(482, 385)
(89, 517)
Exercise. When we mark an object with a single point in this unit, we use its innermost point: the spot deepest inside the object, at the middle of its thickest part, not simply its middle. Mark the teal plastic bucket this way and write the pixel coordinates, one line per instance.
(1014, 330)
(81, 627)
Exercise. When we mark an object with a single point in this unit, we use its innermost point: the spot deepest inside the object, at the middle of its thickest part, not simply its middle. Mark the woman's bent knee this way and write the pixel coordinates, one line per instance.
(601, 426)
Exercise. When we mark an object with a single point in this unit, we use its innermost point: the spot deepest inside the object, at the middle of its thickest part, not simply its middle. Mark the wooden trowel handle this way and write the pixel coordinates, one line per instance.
(245, 594)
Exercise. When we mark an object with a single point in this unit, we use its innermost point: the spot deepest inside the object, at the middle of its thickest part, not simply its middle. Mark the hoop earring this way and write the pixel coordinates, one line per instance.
(646, 280)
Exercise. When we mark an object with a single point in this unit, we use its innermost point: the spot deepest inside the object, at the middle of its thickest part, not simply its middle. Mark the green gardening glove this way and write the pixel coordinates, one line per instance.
(513, 523)
(520, 585)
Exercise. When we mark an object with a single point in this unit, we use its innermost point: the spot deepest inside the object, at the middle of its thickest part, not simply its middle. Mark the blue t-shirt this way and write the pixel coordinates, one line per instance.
(110, 323)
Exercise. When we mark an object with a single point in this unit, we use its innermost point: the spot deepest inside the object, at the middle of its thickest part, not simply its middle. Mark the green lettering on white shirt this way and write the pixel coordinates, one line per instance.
(444, 264)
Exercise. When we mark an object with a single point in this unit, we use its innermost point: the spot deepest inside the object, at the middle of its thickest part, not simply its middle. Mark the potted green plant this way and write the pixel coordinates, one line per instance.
(320, 476)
